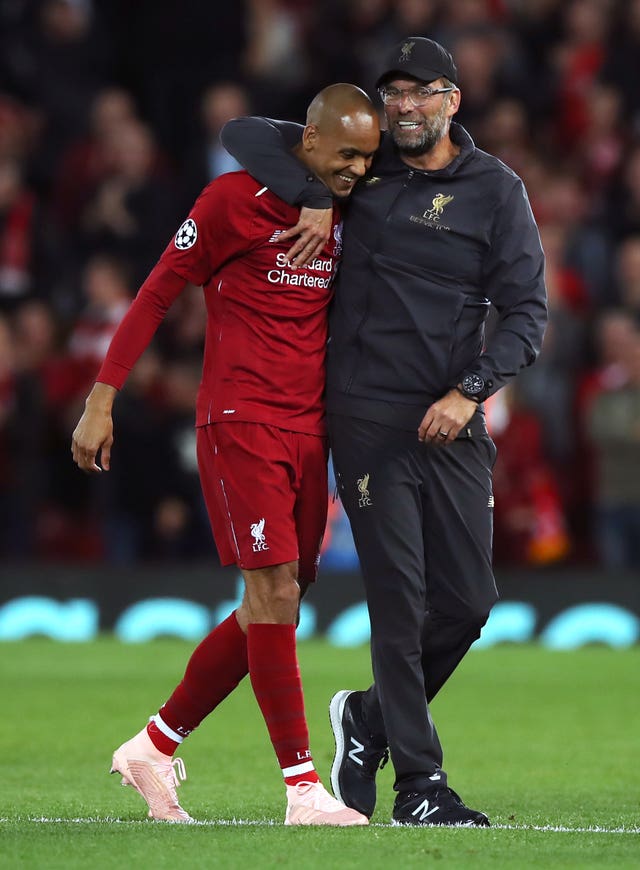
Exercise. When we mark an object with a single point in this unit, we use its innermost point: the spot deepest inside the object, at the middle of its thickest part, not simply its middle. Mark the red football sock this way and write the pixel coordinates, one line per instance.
(275, 677)
(215, 668)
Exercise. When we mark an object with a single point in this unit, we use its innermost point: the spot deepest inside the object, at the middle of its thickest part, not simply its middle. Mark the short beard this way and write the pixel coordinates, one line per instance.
(433, 131)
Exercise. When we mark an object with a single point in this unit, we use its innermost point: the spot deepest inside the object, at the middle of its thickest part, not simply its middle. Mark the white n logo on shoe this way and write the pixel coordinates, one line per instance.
(424, 810)
(353, 754)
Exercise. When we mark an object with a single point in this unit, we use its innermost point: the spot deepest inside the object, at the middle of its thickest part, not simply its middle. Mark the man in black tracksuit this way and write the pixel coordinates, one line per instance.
(435, 232)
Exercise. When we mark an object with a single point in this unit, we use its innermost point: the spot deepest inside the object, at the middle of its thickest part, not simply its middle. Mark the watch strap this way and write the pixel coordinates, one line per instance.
(475, 399)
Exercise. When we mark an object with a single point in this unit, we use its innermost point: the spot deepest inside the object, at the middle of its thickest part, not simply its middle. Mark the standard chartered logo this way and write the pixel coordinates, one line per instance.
(284, 274)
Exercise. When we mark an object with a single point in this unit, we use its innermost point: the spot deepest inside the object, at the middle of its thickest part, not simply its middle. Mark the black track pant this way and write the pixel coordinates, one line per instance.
(422, 522)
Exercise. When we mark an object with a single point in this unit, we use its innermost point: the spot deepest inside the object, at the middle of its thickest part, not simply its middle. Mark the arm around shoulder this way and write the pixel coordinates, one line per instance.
(262, 146)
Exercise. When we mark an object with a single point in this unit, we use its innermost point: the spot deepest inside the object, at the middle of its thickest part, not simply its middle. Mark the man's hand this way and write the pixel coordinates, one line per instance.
(313, 230)
(94, 432)
(445, 418)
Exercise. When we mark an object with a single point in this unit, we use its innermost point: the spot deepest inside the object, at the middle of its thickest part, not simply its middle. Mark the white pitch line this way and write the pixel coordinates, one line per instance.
(553, 829)
(561, 829)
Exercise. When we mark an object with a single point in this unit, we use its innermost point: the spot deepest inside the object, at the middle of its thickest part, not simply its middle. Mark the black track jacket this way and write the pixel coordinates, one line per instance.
(425, 253)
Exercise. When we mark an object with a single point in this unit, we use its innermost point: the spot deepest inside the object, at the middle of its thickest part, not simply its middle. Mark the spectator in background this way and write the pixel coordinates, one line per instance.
(168, 52)
(614, 427)
(106, 296)
(585, 244)
(602, 144)
(85, 162)
(276, 64)
(131, 493)
(421, 17)
(208, 158)
(69, 59)
(529, 522)
(479, 55)
(467, 15)
(85, 165)
(622, 61)
(614, 332)
(17, 233)
(49, 515)
(147, 515)
(504, 131)
(181, 526)
(538, 29)
(20, 229)
(493, 66)
(623, 213)
(18, 129)
(627, 275)
(546, 389)
(7, 458)
(344, 38)
(578, 59)
(132, 206)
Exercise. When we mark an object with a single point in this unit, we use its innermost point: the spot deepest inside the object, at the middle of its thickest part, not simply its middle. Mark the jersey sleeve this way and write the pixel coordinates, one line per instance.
(139, 324)
(262, 146)
(216, 230)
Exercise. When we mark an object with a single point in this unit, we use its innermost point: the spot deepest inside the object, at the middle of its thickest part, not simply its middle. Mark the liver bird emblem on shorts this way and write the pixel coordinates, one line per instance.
(259, 539)
(363, 489)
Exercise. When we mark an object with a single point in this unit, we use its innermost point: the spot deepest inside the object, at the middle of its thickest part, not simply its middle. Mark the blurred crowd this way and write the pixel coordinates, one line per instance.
(109, 120)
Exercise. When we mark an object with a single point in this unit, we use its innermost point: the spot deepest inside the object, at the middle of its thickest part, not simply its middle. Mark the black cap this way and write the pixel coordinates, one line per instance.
(421, 58)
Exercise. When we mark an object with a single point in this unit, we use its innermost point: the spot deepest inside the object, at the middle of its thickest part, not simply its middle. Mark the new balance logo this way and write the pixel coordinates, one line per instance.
(275, 236)
(491, 503)
(424, 810)
(357, 747)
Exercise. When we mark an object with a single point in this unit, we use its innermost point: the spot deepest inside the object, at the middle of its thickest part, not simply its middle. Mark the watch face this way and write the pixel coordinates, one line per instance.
(473, 384)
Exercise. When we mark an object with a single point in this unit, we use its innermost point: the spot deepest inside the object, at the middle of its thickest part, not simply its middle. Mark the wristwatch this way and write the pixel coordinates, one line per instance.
(472, 387)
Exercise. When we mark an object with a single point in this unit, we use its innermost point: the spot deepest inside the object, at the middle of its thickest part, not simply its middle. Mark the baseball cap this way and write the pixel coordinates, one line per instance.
(419, 57)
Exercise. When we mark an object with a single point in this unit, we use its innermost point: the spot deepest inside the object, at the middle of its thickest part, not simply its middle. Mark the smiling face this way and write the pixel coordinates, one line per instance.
(340, 151)
(417, 130)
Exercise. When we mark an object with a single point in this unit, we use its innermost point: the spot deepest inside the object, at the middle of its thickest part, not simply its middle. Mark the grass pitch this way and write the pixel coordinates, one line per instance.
(546, 743)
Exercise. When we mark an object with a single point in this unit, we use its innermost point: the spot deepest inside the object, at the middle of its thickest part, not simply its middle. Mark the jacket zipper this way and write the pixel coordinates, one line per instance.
(366, 310)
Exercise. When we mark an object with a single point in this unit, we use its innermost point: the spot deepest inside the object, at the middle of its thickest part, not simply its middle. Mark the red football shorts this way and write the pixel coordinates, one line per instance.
(266, 493)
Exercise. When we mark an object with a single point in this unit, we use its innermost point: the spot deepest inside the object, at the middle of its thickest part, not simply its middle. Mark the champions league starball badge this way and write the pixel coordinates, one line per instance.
(186, 235)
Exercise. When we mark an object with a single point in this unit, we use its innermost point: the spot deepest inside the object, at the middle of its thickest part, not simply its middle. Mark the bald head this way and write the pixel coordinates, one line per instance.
(341, 136)
(341, 103)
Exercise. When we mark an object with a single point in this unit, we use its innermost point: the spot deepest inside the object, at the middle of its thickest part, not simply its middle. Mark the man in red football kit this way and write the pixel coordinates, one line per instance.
(262, 448)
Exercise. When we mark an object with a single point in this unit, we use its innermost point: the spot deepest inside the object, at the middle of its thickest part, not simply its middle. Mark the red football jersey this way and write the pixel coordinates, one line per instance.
(264, 358)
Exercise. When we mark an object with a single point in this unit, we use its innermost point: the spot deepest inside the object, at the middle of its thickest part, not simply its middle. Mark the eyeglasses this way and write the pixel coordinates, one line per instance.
(418, 95)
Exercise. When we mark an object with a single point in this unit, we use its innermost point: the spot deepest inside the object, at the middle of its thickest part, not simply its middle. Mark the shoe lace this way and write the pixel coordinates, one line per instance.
(179, 770)
(375, 760)
(455, 796)
(173, 773)
(443, 795)
(316, 796)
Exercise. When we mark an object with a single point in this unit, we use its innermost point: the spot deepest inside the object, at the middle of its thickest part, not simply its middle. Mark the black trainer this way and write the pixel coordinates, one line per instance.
(438, 806)
(358, 756)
